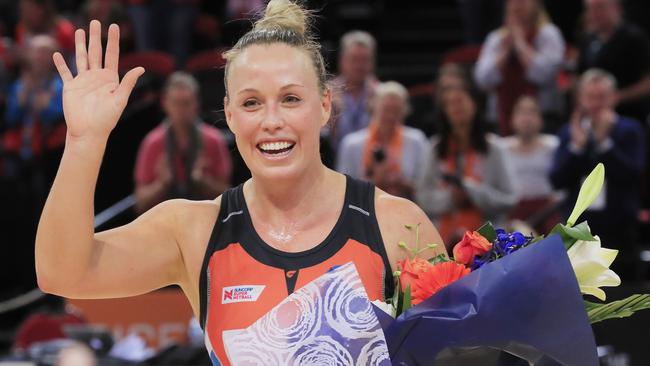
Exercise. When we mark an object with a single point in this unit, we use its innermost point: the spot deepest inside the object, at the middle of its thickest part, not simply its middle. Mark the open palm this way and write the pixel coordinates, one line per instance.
(94, 99)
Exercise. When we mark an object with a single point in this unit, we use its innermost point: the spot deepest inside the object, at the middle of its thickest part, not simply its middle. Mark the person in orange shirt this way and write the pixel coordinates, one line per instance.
(237, 256)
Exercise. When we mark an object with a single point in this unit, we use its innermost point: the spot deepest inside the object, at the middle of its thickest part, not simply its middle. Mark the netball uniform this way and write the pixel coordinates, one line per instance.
(242, 277)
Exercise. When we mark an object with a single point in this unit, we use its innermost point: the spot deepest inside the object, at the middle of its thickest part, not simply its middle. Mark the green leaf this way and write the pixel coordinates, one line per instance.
(588, 193)
(488, 231)
(617, 309)
(406, 301)
(572, 234)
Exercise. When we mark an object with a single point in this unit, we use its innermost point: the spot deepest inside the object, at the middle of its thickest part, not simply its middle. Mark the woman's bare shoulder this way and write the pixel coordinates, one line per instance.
(393, 214)
(193, 220)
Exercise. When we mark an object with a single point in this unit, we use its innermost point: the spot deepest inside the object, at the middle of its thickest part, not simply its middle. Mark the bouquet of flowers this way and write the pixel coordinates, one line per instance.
(503, 298)
(506, 297)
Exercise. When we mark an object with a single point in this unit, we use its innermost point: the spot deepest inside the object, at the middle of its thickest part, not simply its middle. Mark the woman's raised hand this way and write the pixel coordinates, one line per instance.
(94, 99)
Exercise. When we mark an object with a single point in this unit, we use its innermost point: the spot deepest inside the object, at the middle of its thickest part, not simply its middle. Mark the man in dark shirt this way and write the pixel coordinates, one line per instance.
(597, 134)
(614, 45)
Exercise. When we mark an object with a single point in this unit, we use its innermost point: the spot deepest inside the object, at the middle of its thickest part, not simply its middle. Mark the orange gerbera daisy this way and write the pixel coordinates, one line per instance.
(436, 278)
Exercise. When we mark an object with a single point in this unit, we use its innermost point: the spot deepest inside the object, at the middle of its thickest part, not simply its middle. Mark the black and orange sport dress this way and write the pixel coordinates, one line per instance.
(242, 277)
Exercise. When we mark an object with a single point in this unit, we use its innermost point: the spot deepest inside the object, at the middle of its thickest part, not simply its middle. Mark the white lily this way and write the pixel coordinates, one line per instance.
(385, 307)
(591, 264)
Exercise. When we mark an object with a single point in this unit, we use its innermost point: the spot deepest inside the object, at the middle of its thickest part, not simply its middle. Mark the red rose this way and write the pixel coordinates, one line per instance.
(410, 270)
(436, 278)
(471, 245)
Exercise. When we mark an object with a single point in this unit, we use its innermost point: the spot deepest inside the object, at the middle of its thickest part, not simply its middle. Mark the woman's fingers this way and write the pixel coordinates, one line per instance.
(95, 46)
(61, 66)
(80, 51)
(112, 48)
(128, 83)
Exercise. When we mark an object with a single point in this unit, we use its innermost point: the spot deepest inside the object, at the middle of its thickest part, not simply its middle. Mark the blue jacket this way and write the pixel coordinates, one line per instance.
(624, 164)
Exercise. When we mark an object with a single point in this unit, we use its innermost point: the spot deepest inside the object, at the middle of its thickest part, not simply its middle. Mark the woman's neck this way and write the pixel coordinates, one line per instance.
(278, 202)
(181, 134)
(527, 143)
(385, 132)
(461, 138)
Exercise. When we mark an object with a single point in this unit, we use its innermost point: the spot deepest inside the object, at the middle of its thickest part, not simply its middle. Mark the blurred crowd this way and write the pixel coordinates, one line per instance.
(513, 126)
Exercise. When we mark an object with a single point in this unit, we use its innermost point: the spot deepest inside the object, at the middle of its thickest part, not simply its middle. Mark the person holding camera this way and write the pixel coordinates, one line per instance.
(387, 153)
(466, 179)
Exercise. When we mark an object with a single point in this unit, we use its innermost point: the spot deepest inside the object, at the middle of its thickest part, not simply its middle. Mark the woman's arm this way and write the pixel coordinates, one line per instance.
(71, 260)
(496, 193)
(487, 72)
(431, 195)
(543, 61)
(393, 213)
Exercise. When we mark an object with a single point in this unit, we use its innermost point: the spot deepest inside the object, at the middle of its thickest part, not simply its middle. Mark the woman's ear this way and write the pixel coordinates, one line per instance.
(326, 106)
(228, 113)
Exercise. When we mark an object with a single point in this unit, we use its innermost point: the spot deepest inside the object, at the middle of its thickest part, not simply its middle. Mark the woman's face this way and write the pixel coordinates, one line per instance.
(276, 110)
(390, 110)
(356, 64)
(526, 118)
(521, 10)
(459, 107)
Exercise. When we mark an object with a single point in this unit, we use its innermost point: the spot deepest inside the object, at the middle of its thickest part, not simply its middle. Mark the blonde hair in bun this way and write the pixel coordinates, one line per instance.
(285, 14)
(287, 22)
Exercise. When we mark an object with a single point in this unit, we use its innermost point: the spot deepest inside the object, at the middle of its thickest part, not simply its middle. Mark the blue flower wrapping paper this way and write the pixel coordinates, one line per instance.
(527, 304)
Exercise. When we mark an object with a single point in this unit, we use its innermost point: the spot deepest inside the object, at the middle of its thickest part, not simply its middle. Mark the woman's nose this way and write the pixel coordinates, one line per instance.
(273, 120)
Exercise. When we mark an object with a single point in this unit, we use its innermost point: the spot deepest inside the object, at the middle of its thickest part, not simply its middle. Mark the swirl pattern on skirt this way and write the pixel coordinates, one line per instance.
(330, 321)
(322, 351)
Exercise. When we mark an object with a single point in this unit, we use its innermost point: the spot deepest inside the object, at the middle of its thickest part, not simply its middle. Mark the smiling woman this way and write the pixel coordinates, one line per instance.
(238, 256)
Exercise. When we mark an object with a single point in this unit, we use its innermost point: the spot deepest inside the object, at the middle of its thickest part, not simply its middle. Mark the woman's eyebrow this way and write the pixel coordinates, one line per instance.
(291, 85)
(282, 88)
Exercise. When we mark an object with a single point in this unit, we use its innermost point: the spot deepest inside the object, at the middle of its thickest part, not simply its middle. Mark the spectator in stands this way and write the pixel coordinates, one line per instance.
(386, 153)
(621, 48)
(531, 156)
(40, 17)
(357, 79)
(448, 76)
(522, 57)
(466, 178)
(164, 25)
(596, 133)
(34, 113)
(183, 157)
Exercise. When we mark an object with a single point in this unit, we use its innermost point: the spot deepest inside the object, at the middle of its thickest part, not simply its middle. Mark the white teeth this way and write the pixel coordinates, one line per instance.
(274, 146)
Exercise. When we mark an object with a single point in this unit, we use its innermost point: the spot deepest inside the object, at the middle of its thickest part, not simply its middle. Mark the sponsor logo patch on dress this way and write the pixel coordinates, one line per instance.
(242, 293)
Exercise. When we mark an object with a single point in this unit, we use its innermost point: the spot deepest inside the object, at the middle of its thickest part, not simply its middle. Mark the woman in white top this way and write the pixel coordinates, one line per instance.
(531, 157)
(386, 153)
(522, 57)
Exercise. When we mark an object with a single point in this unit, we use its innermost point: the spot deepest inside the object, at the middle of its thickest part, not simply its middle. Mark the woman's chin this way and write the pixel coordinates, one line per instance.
(277, 173)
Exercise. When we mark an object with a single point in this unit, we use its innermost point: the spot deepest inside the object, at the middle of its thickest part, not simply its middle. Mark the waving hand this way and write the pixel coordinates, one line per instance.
(94, 99)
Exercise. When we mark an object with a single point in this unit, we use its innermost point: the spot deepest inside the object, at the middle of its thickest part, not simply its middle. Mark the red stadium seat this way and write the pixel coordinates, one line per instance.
(421, 90)
(462, 55)
(207, 68)
(44, 327)
(206, 60)
(159, 63)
